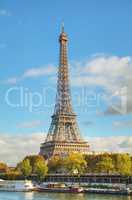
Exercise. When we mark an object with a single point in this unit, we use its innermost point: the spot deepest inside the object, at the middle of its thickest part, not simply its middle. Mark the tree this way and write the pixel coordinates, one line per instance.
(55, 164)
(13, 175)
(123, 164)
(41, 170)
(105, 164)
(34, 159)
(91, 161)
(25, 168)
(3, 167)
(75, 163)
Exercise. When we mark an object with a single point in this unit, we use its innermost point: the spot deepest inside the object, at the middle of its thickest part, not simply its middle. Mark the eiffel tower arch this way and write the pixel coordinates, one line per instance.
(63, 136)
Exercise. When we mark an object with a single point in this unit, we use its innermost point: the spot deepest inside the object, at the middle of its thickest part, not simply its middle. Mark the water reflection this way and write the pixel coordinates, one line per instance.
(62, 196)
(59, 196)
(29, 195)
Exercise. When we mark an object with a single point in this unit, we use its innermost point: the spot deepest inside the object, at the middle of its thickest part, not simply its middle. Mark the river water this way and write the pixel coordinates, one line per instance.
(55, 196)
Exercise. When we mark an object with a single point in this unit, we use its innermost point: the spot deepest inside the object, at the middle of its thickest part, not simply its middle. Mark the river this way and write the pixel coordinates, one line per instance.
(54, 196)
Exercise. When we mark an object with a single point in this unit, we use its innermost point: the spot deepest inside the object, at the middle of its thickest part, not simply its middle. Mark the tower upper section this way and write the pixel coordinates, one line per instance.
(63, 99)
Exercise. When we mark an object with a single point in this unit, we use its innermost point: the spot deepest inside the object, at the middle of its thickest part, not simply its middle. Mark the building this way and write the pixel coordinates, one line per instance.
(64, 135)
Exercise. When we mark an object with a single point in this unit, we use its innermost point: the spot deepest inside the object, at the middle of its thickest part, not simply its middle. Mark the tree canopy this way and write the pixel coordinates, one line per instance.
(105, 164)
(3, 167)
(34, 159)
(55, 164)
(41, 169)
(123, 164)
(75, 163)
(25, 168)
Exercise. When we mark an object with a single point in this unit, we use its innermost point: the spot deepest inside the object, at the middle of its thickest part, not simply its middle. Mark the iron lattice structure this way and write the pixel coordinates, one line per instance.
(63, 135)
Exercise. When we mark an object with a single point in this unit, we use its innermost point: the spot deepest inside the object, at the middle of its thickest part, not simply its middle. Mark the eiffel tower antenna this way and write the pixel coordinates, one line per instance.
(63, 131)
(62, 27)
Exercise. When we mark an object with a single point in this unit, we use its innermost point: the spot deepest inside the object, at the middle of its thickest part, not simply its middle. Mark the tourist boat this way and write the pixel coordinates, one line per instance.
(59, 188)
(126, 191)
(76, 189)
(16, 186)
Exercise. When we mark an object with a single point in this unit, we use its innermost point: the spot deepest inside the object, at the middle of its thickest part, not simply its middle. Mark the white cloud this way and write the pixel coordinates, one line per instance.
(32, 73)
(4, 12)
(122, 124)
(112, 66)
(127, 143)
(36, 72)
(12, 80)
(15, 148)
(104, 71)
(88, 123)
(118, 144)
(30, 124)
(87, 80)
(112, 74)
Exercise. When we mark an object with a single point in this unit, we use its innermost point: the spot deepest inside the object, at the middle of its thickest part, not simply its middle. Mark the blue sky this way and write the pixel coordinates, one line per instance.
(100, 58)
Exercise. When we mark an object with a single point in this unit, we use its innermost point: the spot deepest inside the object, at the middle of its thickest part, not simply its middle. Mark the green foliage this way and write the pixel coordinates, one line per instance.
(110, 163)
(12, 175)
(75, 163)
(101, 163)
(55, 164)
(41, 170)
(33, 164)
(3, 167)
(105, 164)
(34, 159)
(91, 161)
(25, 168)
(123, 164)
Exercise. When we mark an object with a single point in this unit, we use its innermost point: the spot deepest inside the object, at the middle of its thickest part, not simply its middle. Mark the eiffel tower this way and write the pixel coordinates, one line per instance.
(63, 136)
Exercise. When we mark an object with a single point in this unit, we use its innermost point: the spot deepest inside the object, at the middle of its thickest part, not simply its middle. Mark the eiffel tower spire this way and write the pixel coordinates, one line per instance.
(63, 128)
(62, 27)
(63, 99)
